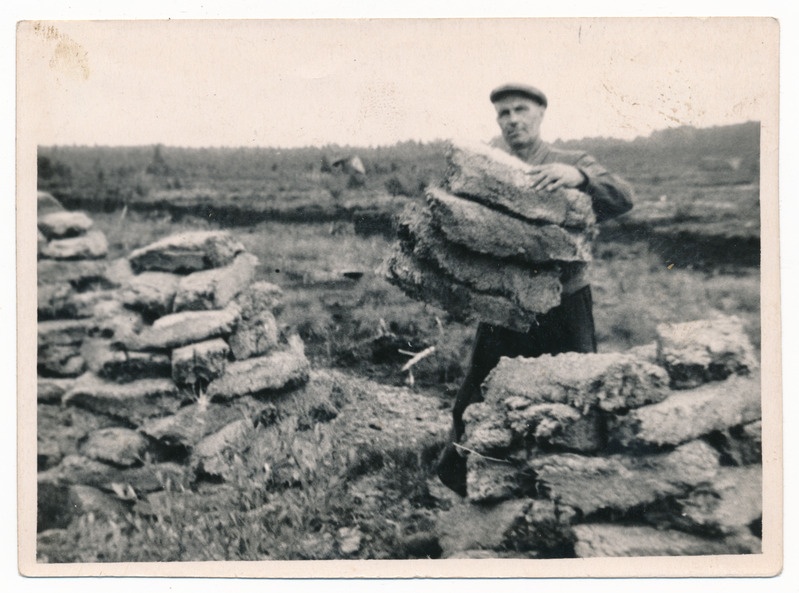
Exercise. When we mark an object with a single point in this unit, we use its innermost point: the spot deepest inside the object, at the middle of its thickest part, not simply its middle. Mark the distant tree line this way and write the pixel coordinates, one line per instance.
(111, 176)
(684, 146)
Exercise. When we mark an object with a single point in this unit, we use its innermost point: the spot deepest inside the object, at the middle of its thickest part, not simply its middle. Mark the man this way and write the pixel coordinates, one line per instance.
(568, 327)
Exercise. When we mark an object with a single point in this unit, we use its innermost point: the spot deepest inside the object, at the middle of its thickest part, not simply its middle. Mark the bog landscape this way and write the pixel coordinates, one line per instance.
(296, 411)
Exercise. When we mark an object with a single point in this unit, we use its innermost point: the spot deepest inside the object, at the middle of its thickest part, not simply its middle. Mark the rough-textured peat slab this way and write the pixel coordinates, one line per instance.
(502, 181)
(484, 230)
(686, 415)
(621, 482)
(706, 350)
(187, 252)
(213, 289)
(422, 282)
(534, 288)
(610, 381)
(62, 225)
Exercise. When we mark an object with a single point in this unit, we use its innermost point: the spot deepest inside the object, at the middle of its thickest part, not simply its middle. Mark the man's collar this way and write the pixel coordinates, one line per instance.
(533, 153)
(529, 152)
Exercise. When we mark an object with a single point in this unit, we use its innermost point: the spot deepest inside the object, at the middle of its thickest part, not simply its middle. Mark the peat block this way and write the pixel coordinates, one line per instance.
(498, 179)
(484, 230)
(187, 252)
(696, 352)
(609, 381)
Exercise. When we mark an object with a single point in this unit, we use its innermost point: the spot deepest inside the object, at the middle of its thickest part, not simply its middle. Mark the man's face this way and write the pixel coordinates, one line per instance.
(519, 118)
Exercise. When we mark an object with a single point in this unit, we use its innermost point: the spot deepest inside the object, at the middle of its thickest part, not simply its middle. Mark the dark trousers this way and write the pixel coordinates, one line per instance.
(568, 327)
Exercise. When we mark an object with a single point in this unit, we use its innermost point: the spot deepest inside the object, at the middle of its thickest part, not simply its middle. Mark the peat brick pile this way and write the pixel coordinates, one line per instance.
(487, 246)
(651, 452)
(149, 366)
(73, 278)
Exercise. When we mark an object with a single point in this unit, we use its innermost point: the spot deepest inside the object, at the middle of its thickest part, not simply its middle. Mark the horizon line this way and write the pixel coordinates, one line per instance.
(395, 143)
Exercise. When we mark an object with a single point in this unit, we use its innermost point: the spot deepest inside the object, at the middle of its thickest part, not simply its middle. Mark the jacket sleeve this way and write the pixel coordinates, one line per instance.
(611, 195)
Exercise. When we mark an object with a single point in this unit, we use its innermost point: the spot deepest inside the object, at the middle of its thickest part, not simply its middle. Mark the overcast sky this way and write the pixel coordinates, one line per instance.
(368, 82)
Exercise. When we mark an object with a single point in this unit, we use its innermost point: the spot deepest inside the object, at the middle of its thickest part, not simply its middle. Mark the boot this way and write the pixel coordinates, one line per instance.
(451, 469)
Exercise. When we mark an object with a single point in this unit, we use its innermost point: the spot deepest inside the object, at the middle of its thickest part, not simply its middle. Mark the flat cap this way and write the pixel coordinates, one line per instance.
(524, 90)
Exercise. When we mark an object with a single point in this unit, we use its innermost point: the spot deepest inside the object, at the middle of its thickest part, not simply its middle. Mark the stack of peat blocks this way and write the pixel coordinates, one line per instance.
(651, 452)
(150, 366)
(489, 247)
(73, 278)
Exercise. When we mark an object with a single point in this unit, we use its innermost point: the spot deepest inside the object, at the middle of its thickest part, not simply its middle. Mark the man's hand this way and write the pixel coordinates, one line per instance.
(555, 175)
